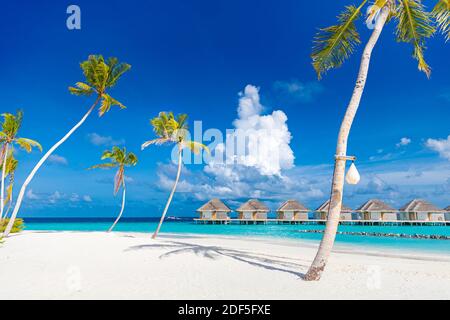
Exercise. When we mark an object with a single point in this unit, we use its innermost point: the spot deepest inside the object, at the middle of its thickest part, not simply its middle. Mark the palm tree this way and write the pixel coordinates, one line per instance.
(333, 45)
(100, 76)
(8, 138)
(119, 158)
(171, 130)
(11, 166)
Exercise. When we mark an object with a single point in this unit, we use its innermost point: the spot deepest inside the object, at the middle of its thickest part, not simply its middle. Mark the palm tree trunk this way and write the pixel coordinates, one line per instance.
(2, 186)
(171, 194)
(40, 163)
(326, 245)
(123, 206)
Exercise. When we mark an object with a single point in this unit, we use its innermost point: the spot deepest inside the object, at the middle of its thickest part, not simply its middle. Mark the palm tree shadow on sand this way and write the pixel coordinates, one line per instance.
(268, 262)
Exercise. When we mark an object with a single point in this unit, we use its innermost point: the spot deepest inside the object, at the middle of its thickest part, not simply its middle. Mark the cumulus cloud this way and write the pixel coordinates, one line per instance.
(57, 159)
(31, 195)
(107, 141)
(258, 141)
(403, 142)
(296, 91)
(441, 146)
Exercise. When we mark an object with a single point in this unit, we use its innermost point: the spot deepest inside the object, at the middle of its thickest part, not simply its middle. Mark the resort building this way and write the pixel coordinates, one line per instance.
(447, 213)
(253, 210)
(322, 211)
(292, 210)
(377, 210)
(421, 210)
(214, 209)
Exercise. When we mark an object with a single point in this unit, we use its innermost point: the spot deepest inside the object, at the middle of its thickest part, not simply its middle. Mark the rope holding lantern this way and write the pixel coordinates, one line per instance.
(352, 177)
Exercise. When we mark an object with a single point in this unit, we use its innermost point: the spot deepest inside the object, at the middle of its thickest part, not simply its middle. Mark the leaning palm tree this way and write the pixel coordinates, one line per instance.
(8, 138)
(333, 45)
(100, 75)
(119, 158)
(171, 130)
(11, 166)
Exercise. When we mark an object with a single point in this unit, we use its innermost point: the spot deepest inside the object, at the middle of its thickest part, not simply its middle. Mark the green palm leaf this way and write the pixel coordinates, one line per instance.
(104, 166)
(107, 103)
(81, 89)
(415, 25)
(441, 13)
(333, 45)
(195, 147)
(28, 144)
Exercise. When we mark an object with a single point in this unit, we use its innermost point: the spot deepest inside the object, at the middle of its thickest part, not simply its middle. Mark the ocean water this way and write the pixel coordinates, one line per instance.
(187, 226)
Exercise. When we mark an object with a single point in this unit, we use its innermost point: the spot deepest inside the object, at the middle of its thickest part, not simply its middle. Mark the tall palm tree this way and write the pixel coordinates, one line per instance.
(333, 45)
(100, 75)
(171, 130)
(8, 138)
(119, 158)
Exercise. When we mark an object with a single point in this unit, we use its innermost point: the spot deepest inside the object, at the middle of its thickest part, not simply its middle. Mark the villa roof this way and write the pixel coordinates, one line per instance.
(447, 209)
(326, 205)
(253, 205)
(214, 205)
(375, 205)
(293, 205)
(418, 205)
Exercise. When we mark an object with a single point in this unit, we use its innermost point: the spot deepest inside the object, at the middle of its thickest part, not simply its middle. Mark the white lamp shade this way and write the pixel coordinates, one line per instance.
(352, 176)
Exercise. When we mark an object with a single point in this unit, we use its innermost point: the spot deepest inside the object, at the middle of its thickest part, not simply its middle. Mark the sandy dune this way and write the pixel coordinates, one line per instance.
(75, 265)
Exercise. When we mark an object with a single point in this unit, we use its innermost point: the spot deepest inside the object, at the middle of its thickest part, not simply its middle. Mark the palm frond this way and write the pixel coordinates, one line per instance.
(157, 142)
(333, 45)
(441, 14)
(107, 103)
(195, 147)
(81, 89)
(11, 125)
(103, 166)
(28, 144)
(131, 159)
(415, 25)
(377, 6)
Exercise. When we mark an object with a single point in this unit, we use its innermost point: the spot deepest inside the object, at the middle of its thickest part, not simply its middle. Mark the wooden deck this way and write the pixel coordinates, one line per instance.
(322, 222)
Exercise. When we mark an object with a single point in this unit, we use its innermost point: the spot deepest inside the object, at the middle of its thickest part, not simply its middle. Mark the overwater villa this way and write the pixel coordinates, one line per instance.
(214, 209)
(253, 210)
(377, 210)
(447, 213)
(292, 210)
(322, 211)
(421, 210)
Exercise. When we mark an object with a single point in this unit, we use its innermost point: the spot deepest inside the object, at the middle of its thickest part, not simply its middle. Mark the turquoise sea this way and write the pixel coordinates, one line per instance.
(188, 226)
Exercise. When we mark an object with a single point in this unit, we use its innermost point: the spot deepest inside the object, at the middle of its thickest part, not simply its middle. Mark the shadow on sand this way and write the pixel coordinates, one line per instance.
(269, 262)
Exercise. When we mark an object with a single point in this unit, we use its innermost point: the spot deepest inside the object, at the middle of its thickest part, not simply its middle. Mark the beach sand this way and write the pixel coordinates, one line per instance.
(76, 265)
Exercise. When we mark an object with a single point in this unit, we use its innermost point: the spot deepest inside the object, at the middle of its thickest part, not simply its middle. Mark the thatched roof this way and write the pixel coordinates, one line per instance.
(214, 205)
(253, 205)
(419, 205)
(375, 205)
(326, 205)
(447, 209)
(292, 205)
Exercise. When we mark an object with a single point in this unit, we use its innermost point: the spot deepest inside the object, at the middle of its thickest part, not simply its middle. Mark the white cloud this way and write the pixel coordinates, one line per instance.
(87, 198)
(403, 142)
(107, 141)
(258, 141)
(296, 91)
(441, 146)
(54, 197)
(57, 159)
(32, 196)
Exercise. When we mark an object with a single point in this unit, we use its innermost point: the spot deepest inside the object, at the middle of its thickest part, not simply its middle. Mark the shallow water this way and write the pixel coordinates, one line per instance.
(269, 230)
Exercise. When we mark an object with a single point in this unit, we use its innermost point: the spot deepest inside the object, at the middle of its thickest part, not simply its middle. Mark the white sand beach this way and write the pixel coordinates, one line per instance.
(76, 265)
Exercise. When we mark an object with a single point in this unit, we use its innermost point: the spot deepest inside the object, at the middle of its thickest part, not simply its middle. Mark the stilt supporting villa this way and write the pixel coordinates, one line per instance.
(421, 210)
(214, 210)
(292, 210)
(322, 212)
(253, 210)
(377, 210)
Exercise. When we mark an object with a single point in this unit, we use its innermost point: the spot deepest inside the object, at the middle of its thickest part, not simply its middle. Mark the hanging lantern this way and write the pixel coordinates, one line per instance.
(352, 176)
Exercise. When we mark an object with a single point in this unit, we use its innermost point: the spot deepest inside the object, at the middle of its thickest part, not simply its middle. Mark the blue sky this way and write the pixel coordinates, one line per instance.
(196, 57)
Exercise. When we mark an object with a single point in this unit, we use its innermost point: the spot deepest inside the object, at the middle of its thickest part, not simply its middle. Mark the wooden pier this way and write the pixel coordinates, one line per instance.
(322, 222)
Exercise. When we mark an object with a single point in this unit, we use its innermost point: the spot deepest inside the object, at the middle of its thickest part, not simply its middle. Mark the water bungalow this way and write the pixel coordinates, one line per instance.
(322, 212)
(214, 209)
(447, 213)
(421, 210)
(377, 210)
(292, 210)
(253, 210)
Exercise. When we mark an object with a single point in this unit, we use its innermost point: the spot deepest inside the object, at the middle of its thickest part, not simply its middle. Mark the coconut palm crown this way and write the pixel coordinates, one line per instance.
(119, 158)
(414, 24)
(10, 128)
(100, 76)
